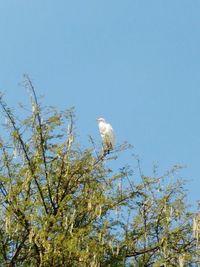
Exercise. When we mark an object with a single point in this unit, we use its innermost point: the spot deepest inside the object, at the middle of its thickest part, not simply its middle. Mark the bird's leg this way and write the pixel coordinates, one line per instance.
(105, 152)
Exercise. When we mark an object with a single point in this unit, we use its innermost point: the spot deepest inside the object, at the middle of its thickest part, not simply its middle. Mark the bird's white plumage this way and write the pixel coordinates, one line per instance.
(107, 134)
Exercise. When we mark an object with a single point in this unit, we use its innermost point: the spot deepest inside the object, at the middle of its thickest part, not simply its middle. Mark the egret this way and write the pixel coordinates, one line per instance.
(107, 135)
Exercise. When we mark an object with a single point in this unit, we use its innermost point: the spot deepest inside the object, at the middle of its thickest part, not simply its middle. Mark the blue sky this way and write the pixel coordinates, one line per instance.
(136, 63)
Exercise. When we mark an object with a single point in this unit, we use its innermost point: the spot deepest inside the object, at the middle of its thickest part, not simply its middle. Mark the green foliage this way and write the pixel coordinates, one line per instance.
(62, 206)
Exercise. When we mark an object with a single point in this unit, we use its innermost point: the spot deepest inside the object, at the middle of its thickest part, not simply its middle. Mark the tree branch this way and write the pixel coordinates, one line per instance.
(3, 105)
(17, 251)
(42, 140)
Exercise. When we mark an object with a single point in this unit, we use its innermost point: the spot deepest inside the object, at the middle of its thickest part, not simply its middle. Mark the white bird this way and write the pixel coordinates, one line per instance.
(107, 135)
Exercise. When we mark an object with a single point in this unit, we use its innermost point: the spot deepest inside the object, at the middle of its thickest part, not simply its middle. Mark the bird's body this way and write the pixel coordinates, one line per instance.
(107, 135)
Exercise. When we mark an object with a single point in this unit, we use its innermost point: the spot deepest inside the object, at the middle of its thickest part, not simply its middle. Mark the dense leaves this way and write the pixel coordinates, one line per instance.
(62, 205)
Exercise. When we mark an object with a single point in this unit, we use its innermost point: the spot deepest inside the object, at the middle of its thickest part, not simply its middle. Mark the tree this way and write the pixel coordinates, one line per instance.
(62, 205)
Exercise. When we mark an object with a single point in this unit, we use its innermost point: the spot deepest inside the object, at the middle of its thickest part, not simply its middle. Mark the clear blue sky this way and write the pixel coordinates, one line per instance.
(134, 62)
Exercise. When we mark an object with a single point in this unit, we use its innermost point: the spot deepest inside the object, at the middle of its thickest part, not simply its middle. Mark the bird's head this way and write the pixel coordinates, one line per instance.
(100, 120)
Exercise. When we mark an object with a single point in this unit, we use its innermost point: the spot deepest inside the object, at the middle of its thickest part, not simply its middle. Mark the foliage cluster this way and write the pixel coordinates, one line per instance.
(62, 205)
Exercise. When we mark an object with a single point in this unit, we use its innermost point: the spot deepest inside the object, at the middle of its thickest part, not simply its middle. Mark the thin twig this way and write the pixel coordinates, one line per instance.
(42, 140)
